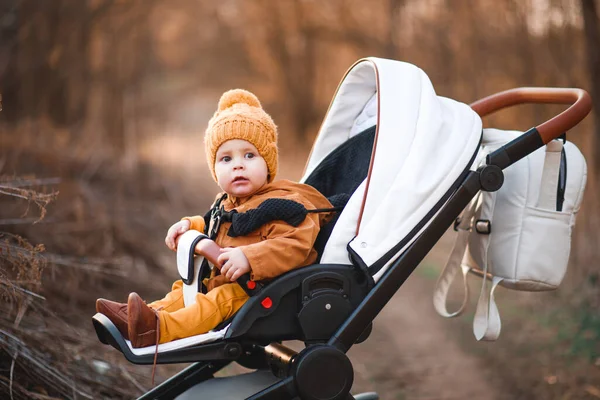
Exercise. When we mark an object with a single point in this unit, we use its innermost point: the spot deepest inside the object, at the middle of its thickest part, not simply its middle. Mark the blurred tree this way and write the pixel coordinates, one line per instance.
(282, 50)
(8, 38)
(592, 38)
(293, 48)
(90, 67)
(292, 42)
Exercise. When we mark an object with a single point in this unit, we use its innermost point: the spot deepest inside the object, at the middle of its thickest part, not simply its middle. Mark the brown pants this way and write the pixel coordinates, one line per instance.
(210, 309)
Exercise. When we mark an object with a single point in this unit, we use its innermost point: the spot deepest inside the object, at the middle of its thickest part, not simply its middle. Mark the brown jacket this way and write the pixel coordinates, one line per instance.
(275, 247)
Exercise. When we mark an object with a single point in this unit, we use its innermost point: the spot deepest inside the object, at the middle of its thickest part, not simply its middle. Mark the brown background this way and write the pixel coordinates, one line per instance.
(104, 106)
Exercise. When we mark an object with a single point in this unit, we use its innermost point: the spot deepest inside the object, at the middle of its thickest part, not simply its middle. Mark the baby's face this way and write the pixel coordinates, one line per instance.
(240, 169)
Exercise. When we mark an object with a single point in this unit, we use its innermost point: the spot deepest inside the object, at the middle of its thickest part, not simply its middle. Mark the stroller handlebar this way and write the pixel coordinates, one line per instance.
(580, 100)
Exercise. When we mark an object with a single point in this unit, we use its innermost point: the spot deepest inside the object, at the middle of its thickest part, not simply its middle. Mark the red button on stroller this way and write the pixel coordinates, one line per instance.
(404, 157)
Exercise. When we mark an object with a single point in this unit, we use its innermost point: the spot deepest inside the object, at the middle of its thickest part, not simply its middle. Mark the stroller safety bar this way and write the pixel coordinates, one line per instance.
(194, 243)
(211, 251)
(533, 139)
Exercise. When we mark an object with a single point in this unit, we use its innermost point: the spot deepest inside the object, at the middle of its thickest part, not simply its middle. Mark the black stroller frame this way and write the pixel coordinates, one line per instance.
(322, 370)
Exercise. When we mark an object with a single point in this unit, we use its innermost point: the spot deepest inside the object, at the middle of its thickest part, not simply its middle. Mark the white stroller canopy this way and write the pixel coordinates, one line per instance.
(423, 144)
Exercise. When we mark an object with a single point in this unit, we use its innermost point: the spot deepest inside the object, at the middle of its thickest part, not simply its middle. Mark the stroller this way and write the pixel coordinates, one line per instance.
(405, 157)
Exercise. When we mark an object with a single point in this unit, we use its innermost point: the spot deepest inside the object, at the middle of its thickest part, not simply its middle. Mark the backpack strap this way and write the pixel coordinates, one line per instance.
(487, 323)
(440, 294)
(548, 196)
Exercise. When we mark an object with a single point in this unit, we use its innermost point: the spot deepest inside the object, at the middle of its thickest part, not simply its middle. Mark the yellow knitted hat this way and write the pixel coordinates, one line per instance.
(240, 116)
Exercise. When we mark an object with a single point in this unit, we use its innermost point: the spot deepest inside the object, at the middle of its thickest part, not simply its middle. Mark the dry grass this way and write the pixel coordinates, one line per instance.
(25, 350)
(102, 231)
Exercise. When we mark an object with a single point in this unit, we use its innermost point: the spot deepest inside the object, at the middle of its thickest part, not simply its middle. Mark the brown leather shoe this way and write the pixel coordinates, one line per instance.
(142, 322)
(116, 312)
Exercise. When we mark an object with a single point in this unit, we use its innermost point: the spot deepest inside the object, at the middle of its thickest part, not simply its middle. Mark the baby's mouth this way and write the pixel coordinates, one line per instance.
(239, 179)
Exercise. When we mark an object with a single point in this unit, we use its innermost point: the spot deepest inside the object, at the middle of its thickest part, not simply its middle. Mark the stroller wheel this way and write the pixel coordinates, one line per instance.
(323, 372)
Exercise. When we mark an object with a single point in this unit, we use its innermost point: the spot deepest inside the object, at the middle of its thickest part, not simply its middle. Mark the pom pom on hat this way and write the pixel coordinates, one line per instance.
(240, 116)
(236, 96)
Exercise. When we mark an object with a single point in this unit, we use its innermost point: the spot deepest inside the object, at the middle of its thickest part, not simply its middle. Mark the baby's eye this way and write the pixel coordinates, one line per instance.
(250, 155)
(225, 158)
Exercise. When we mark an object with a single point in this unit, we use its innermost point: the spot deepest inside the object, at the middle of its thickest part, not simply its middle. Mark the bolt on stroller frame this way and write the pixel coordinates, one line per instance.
(358, 291)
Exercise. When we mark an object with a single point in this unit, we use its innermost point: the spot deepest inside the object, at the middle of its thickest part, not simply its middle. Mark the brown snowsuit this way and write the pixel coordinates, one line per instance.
(272, 249)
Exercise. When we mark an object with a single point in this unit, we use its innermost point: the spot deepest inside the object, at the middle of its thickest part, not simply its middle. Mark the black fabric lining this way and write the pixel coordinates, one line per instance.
(344, 169)
(377, 265)
(340, 173)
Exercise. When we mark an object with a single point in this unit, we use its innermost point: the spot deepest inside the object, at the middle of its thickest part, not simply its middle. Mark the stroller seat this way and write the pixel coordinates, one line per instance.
(404, 156)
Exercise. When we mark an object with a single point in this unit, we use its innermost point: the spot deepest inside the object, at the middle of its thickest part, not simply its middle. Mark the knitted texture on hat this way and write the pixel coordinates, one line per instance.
(240, 116)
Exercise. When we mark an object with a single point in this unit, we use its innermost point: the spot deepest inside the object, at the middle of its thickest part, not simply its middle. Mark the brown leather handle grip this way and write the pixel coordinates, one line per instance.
(580, 100)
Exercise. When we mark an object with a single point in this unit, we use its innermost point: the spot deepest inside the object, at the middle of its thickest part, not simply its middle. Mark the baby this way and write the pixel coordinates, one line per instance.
(241, 148)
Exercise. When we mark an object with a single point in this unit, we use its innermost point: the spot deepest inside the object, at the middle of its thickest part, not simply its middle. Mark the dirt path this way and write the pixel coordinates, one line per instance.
(413, 353)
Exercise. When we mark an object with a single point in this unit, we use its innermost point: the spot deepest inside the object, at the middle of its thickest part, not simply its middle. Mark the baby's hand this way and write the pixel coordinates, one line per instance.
(233, 263)
(174, 232)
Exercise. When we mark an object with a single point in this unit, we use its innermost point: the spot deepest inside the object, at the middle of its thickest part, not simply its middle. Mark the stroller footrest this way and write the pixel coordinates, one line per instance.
(220, 350)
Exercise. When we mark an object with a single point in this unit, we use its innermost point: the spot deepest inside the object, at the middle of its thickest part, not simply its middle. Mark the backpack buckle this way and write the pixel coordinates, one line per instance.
(457, 222)
(457, 227)
(483, 226)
